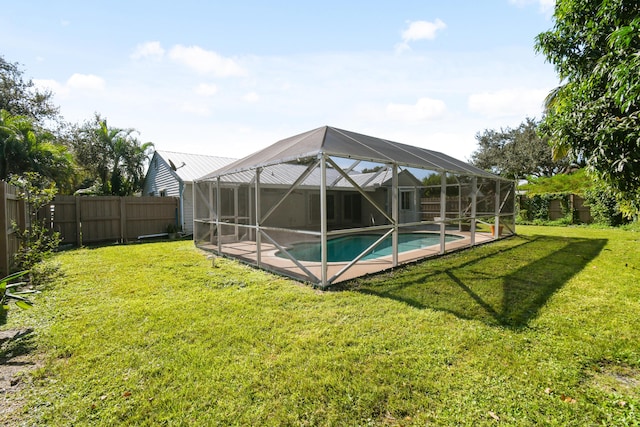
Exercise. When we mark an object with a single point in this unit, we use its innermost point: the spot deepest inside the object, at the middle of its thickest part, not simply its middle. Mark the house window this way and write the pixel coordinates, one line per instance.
(352, 207)
(405, 200)
(314, 204)
(163, 193)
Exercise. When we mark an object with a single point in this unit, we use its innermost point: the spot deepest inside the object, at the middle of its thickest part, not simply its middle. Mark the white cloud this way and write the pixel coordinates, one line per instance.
(206, 61)
(148, 50)
(508, 102)
(546, 6)
(206, 89)
(251, 97)
(51, 85)
(85, 81)
(420, 30)
(423, 109)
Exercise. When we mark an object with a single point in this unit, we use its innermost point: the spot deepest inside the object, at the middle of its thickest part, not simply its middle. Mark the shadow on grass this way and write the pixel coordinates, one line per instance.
(504, 284)
(15, 343)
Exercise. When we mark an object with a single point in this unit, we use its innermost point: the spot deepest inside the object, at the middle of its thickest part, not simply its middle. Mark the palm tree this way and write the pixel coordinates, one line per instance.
(114, 155)
(13, 132)
(24, 147)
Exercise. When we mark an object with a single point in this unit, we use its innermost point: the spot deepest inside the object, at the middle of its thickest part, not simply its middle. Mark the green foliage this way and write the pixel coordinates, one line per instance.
(36, 241)
(604, 205)
(173, 228)
(516, 153)
(113, 155)
(19, 97)
(31, 131)
(26, 147)
(37, 244)
(577, 182)
(434, 181)
(595, 114)
(10, 291)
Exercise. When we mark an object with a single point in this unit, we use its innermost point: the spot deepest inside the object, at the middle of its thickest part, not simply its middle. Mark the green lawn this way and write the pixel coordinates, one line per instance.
(539, 329)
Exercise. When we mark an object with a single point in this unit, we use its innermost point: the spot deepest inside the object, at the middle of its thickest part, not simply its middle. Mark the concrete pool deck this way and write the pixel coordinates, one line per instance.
(247, 251)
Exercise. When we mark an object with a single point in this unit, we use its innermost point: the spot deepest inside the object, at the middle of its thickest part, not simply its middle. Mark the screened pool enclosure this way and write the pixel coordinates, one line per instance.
(329, 205)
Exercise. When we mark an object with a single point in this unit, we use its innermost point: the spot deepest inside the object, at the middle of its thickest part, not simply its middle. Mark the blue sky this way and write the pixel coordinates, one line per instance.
(228, 78)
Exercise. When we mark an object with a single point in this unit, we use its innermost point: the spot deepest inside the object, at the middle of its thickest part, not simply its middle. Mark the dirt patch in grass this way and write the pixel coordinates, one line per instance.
(16, 361)
(614, 378)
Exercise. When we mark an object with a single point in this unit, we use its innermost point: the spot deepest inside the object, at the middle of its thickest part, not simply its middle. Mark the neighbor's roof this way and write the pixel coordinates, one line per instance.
(341, 143)
(285, 174)
(190, 167)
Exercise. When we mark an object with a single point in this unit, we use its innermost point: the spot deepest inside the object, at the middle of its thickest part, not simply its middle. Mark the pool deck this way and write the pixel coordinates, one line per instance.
(247, 251)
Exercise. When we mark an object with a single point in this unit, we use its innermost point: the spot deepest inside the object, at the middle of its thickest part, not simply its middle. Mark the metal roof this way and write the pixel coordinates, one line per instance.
(190, 167)
(285, 174)
(342, 143)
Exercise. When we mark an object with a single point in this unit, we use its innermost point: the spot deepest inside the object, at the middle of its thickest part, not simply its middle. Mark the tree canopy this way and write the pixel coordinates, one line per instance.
(113, 155)
(19, 97)
(26, 147)
(516, 153)
(595, 113)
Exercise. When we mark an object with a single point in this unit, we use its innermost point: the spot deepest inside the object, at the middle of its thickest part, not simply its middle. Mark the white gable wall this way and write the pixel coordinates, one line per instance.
(160, 179)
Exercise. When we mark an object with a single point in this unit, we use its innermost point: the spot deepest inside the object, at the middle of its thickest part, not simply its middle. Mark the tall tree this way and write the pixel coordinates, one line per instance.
(516, 153)
(113, 155)
(25, 147)
(595, 113)
(30, 130)
(20, 97)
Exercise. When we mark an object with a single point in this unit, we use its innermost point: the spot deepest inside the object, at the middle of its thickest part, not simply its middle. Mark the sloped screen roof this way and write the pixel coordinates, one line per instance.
(190, 167)
(341, 143)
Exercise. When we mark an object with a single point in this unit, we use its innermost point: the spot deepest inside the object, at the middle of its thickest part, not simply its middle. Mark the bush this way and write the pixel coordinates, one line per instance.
(604, 206)
(36, 241)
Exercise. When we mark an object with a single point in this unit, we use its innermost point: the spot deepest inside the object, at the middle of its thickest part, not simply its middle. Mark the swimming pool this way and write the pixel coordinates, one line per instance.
(346, 248)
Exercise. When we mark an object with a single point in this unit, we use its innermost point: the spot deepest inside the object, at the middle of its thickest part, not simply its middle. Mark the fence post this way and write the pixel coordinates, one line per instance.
(4, 234)
(78, 221)
(123, 219)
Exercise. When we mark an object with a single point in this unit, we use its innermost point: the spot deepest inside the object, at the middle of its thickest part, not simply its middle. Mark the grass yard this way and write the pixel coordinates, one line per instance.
(539, 329)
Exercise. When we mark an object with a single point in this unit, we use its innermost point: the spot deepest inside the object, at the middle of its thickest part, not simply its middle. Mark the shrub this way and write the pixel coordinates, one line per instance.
(604, 206)
(36, 241)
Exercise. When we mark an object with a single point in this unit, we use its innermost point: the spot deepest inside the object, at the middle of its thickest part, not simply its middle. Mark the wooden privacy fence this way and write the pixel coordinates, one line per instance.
(430, 207)
(554, 209)
(582, 213)
(12, 211)
(82, 220)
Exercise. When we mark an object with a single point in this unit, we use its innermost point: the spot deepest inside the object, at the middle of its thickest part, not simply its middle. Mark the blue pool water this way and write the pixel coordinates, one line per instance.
(346, 248)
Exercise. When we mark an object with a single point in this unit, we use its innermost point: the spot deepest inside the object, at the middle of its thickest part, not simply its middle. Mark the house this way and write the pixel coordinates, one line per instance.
(329, 205)
(171, 174)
